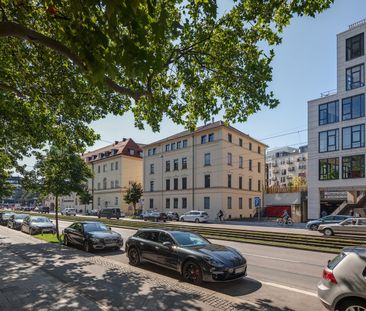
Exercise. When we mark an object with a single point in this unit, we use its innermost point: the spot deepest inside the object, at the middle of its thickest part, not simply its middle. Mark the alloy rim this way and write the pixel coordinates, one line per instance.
(192, 272)
(133, 256)
(356, 308)
(66, 242)
(86, 247)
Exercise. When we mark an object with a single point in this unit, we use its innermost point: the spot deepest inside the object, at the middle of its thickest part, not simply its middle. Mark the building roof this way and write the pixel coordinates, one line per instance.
(118, 148)
(209, 126)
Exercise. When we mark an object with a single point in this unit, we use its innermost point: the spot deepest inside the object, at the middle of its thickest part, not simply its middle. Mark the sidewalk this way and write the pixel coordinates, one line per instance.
(39, 276)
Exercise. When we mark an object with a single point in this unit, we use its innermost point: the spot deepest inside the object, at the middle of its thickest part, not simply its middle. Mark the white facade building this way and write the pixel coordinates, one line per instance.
(336, 127)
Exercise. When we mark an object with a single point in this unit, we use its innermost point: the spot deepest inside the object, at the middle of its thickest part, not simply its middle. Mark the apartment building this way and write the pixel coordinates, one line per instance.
(114, 167)
(284, 164)
(336, 128)
(216, 167)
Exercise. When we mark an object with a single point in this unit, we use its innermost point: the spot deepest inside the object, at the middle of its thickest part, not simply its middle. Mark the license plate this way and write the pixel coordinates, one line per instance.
(240, 270)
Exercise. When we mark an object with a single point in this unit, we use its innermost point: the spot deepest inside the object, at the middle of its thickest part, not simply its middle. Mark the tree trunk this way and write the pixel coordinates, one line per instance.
(56, 217)
(134, 209)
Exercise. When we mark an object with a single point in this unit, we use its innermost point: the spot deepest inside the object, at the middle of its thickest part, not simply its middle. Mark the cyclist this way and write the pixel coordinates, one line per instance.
(285, 216)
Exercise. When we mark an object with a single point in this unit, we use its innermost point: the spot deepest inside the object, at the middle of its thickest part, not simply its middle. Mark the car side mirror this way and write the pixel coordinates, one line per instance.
(168, 244)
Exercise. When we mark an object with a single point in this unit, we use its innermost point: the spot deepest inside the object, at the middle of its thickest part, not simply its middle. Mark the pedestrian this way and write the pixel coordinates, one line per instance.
(351, 212)
(220, 215)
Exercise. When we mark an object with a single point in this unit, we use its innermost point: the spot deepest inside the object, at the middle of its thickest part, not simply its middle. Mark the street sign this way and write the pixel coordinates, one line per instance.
(257, 202)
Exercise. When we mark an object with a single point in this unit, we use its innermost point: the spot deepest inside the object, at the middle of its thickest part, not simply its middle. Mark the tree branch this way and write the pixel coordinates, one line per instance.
(11, 29)
(9, 88)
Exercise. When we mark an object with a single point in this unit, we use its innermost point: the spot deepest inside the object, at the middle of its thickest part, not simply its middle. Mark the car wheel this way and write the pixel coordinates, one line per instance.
(134, 256)
(197, 220)
(328, 232)
(352, 305)
(192, 272)
(98, 216)
(66, 240)
(314, 227)
(86, 246)
(117, 218)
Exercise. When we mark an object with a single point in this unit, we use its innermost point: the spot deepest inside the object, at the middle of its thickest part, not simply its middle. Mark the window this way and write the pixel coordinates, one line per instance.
(175, 203)
(207, 159)
(167, 184)
(116, 201)
(259, 185)
(179, 145)
(185, 143)
(259, 167)
(98, 185)
(151, 203)
(259, 149)
(353, 107)
(355, 77)
(151, 168)
(131, 151)
(353, 136)
(151, 186)
(229, 199)
(240, 203)
(283, 179)
(250, 146)
(149, 152)
(98, 168)
(207, 181)
(167, 166)
(229, 159)
(175, 183)
(329, 113)
(353, 167)
(116, 165)
(184, 182)
(104, 183)
(240, 142)
(250, 203)
(116, 184)
(112, 184)
(175, 165)
(104, 168)
(355, 47)
(229, 181)
(329, 169)
(167, 203)
(167, 147)
(206, 202)
(328, 140)
(240, 182)
(112, 166)
(211, 137)
(203, 139)
(172, 146)
(250, 184)
(240, 162)
(98, 201)
(230, 138)
(250, 165)
(184, 163)
(184, 202)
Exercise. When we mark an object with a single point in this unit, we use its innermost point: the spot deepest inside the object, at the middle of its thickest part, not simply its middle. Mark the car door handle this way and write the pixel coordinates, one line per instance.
(157, 247)
(142, 243)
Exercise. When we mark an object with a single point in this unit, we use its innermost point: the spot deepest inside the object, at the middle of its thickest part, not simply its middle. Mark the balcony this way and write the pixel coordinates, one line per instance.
(274, 164)
(291, 169)
(289, 177)
(328, 93)
(275, 171)
(289, 161)
(274, 178)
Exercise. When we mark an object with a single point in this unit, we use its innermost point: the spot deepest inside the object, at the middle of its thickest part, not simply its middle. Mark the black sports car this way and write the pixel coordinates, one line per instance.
(92, 235)
(194, 257)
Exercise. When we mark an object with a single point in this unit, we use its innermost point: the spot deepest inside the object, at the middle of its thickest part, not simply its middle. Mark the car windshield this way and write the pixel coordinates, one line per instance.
(189, 239)
(95, 227)
(20, 216)
(40, 219)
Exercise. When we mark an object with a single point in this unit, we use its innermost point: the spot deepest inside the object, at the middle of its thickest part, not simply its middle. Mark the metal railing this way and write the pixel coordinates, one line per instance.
(287, 189)
(362, 21)
(328, 93)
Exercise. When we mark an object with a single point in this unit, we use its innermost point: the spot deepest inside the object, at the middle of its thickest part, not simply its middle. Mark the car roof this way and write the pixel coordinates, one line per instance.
(88, 222)
(359, 250)
(164, 230)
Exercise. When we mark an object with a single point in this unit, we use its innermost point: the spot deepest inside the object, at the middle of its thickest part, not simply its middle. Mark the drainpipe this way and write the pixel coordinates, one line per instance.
(193, 172)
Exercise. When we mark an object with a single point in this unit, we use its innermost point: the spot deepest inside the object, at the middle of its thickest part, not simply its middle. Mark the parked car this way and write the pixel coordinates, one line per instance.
(92, 235)
(349, 226)
(142, 214)
(110, 213)
(69, 212)
(343, 287)
(37, 224)
(155, 216)
(91, 212)
(4, 218)
(44, 209)
(15, 221)
(188, 253)
(314, 224)
(194, 216)
(37, 209)
(173, 216)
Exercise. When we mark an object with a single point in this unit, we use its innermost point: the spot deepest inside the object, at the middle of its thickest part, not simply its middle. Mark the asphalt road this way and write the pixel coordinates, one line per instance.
(278, 278)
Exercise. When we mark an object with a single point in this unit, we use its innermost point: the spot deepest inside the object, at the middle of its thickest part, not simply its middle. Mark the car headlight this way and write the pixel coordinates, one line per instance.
(213, 262)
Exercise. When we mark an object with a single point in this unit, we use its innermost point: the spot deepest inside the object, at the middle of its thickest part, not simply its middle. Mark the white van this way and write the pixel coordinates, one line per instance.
(69, 212)
(194, 216)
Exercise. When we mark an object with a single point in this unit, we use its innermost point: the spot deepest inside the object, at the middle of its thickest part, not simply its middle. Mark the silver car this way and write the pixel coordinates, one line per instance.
(348, 226)
(343, 287)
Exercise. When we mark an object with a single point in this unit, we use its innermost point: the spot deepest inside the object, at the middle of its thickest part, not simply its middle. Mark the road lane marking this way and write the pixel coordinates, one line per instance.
(292, 289)
(282, 259)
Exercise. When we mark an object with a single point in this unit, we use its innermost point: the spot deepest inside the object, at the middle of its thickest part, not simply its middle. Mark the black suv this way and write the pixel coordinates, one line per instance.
(156, 216)
(44, 209)
(110, 213)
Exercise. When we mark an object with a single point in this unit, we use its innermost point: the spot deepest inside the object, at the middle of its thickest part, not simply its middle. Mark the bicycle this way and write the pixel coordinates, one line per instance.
(282, 222)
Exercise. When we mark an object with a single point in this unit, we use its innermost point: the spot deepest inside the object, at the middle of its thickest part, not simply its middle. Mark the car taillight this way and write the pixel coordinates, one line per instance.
(329, 276)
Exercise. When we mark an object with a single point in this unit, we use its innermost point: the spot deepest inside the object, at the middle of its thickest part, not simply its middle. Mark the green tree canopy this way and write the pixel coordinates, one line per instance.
(133, 195)
(64, 64)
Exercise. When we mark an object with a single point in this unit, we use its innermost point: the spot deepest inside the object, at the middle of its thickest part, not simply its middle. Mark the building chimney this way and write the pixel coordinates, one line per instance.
(124, 139)
(116, 142)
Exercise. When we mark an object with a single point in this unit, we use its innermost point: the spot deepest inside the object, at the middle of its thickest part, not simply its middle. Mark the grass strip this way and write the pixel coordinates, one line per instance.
(48, 237)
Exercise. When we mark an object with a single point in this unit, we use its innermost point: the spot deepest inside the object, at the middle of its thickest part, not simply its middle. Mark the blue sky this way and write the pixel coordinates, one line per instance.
(304, 66)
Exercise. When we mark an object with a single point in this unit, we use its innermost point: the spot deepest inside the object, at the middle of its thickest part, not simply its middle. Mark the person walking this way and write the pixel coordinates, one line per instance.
(220, 215)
